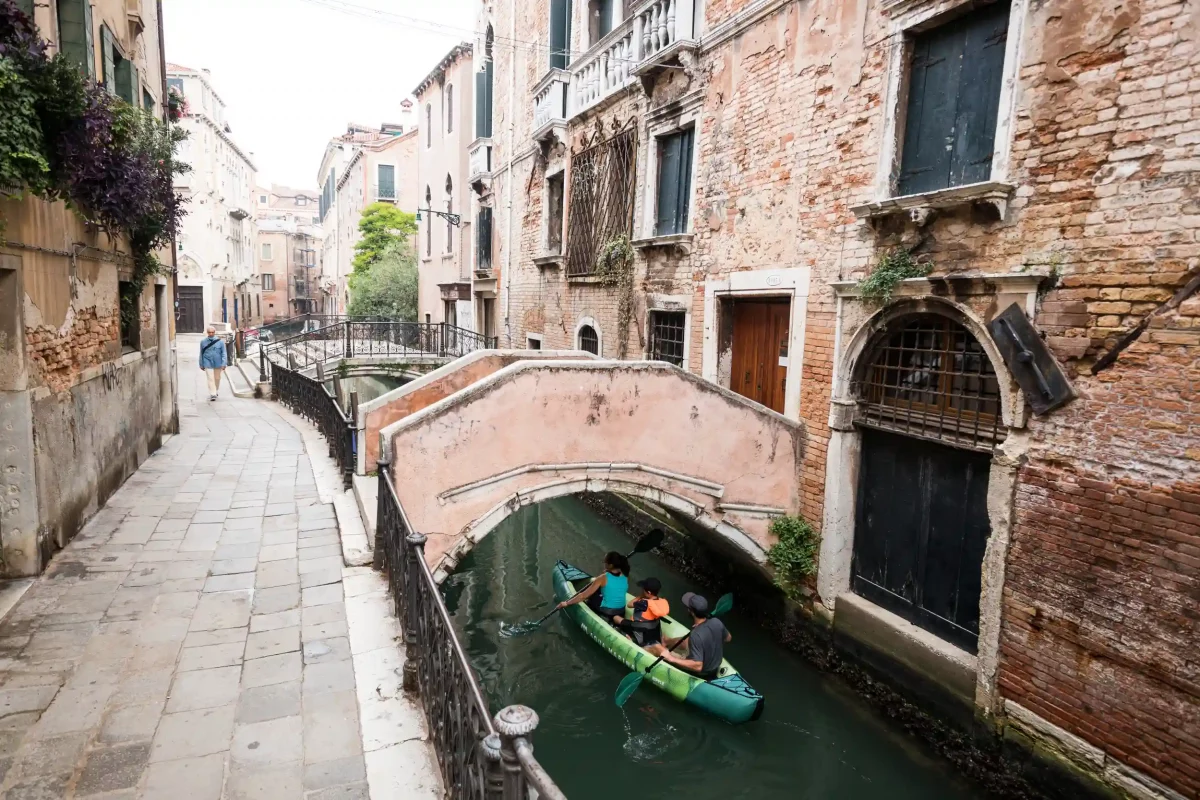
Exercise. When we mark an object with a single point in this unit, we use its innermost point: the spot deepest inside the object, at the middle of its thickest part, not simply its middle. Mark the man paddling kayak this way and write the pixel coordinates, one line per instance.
(706, 645)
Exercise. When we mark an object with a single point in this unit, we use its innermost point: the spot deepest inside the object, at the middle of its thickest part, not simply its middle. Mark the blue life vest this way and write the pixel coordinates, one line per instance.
(612, 593)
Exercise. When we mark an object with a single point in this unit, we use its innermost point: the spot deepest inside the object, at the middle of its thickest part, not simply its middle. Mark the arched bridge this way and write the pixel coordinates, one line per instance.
(495, 431)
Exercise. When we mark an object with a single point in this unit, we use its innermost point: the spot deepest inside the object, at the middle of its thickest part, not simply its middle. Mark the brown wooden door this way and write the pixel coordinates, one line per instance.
(191, 310)
(760, 341)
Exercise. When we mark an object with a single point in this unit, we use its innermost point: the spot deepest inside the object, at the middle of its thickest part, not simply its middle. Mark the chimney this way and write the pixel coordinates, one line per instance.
(406, 112)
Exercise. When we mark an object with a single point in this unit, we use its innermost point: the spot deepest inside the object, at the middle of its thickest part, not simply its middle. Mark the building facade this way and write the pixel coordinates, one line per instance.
(81, 385)
(216, 249)
(289, 252)
(445, 252)
(955, 240)
(383, 170)
(349, 182)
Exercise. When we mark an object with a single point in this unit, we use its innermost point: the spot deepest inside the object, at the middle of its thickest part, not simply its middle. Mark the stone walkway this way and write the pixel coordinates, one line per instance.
(201, 637)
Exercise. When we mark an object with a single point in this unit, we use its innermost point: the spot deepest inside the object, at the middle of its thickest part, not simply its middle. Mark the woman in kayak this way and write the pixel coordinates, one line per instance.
(606, 593)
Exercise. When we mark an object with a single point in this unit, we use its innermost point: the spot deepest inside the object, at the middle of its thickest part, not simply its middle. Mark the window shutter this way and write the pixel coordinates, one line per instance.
(668, 184)
(89, 40)
(106, 47)
(124, 77)
(483, 101)
(487, 112)
(979, 97)
(75, 34)
(560, 33)
(26, 6)
(933, 84)
(450, 109)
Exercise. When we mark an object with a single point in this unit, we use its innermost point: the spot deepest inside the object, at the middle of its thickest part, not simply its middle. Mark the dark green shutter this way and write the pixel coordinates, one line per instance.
(75, 34)
(560, 33)
(483, 101)
(26, 6)
(674, 182)
(953, 101)
(605, 10)
(147, 100)
(123, 69)
(108, 78)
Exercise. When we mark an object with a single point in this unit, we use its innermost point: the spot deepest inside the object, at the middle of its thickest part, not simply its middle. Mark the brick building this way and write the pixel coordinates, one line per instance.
(1030, 536)
(86, 392)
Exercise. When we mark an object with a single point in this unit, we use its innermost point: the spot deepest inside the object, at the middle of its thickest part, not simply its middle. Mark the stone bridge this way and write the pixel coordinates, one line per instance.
(476, 440)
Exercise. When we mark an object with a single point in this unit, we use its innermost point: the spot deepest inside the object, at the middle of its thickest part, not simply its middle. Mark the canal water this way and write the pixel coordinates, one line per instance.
(816, 739)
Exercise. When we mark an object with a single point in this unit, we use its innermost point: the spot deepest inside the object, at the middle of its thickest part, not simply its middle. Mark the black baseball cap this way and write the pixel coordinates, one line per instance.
(696, 603)
(651, 584)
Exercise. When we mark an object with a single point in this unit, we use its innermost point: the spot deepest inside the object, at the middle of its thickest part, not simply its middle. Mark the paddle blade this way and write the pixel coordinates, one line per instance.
(650, 541)
(724, 605)
(629, 685)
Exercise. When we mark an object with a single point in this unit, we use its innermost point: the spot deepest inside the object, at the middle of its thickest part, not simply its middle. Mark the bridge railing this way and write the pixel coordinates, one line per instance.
(310, 398)
(480, 758)
(349, 338)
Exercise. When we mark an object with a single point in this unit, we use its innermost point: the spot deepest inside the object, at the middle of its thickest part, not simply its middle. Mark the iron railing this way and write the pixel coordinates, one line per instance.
(352, 338)
(480, 758)
(310, 398)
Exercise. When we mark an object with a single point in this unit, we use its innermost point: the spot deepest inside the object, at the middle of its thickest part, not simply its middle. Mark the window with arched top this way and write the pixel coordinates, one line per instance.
(589, 340)
(428, 125)
(428, 223)
(927, 376)
(450, 108)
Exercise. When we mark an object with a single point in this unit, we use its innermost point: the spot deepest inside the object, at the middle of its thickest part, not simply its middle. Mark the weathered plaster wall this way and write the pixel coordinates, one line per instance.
(721, 455)
(437, 385)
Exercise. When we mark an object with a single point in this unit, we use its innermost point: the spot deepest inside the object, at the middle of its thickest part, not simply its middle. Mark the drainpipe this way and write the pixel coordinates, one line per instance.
(512, 100)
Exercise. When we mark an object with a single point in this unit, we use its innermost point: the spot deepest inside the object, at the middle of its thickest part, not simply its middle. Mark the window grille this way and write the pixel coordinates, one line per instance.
(931, 378)
(602, 193)
(589, 340)
(666, 336)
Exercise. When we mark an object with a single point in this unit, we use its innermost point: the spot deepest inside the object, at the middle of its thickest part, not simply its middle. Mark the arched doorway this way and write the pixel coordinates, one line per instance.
(929, 412)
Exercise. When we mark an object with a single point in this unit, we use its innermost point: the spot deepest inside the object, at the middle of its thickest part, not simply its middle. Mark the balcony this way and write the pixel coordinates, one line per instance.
(653, 35)
(479, 163)
(550, 105)
(384, 193)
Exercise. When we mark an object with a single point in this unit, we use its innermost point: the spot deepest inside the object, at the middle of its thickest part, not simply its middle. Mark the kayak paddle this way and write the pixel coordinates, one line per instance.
(647, 543)
(631, 682)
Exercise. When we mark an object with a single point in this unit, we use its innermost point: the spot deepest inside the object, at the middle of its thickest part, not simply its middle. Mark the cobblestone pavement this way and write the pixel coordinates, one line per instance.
(201, 638)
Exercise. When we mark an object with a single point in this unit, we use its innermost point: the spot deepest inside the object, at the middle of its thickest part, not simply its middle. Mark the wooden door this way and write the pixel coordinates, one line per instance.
(760, 351)
(920, 532)
(191, 310)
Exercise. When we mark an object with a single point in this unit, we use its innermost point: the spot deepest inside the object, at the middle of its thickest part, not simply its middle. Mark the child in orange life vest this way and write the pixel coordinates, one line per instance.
(648, 611)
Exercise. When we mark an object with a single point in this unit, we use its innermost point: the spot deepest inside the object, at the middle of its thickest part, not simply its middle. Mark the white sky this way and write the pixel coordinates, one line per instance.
(292, 73)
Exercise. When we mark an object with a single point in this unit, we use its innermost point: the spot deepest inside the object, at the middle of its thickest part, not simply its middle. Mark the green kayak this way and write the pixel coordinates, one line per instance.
(727, 696)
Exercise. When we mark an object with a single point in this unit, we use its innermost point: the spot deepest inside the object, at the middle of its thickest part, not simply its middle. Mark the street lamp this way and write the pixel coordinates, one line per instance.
(453, 219)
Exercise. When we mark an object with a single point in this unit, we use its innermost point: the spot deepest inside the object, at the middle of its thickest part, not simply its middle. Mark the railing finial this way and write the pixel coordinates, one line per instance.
(516, 721)
(417, 539)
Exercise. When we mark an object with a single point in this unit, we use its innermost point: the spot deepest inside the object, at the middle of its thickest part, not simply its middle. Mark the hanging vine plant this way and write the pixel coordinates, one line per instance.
(63, 137)
(614, 267)
(899, 264)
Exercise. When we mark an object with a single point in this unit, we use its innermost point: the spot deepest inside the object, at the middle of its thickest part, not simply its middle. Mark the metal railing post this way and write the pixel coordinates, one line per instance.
(381, 488)
(348, 351)
(352, 442)
(416, 550)
(493, 773)
(513, 723)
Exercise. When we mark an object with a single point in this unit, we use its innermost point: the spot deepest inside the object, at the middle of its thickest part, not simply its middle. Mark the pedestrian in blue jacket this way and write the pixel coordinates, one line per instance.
(213, 360)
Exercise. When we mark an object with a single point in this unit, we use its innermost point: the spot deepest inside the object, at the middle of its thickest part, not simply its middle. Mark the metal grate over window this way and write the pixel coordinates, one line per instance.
(601, 201)
(666, 336)
(931, 378)
(588, 340)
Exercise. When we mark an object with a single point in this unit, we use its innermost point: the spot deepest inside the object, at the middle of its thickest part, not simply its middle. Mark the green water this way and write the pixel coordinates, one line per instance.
(814, 740)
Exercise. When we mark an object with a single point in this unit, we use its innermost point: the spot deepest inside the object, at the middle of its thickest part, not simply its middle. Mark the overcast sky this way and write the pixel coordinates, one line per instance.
(292, 73)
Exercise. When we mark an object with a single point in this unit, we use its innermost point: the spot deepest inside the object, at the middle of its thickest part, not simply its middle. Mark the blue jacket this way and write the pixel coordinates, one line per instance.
(214, 357)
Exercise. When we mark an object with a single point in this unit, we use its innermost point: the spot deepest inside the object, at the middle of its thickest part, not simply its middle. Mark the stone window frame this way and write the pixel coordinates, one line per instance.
(530, 338)
(543, 248)
(671, 118)
(595, 326)
(909, 17)
(670, 303)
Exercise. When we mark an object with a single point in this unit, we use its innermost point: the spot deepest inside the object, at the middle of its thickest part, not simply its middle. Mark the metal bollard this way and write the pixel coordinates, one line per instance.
(416, 549)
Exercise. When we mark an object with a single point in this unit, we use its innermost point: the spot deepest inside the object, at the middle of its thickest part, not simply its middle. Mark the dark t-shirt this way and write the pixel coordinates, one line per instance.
(707, 644)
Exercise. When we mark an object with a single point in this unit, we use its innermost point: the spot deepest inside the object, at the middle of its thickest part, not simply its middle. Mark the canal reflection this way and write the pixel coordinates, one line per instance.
(815, 739)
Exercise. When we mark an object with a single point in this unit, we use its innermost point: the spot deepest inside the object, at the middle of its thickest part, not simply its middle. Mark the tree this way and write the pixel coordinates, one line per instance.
(388, 287)
(382, 225)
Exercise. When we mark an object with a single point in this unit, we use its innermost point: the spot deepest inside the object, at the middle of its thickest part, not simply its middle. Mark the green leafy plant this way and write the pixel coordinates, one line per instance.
(388, 287)
(382, 225)
(878, 287)
(794, 555)
(614, 267)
